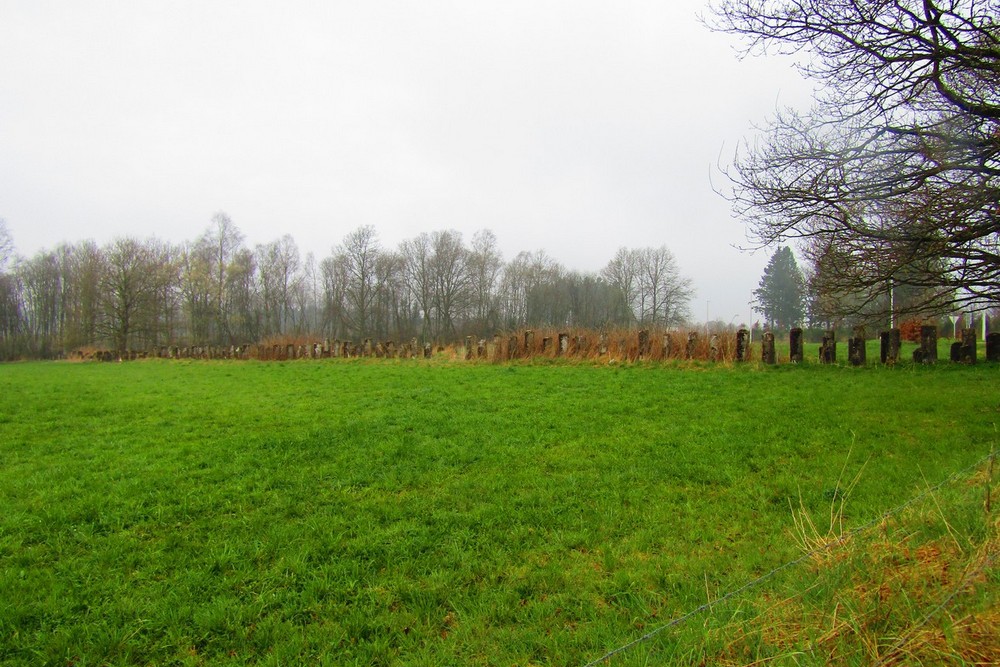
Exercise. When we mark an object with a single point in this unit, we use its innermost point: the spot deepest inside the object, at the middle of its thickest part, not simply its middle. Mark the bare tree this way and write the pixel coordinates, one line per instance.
(664, 293)
(10, 298)
(129, 285)
(197, 291)
(307, 295)
(484, 266)
(41, 288)
(390, 309)
(81, 266)
(10, 316)
(6, 246)
(650, 288)
(448, 266)
(242, 296)
(334, 276)
(218, 246)
(623, 273)
(278, 263)
(527, 284)
(359, 253)
(417, 265)
(894, 177)
(594, 302)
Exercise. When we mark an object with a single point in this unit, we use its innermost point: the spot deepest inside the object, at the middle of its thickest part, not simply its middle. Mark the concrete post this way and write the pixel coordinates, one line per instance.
(889, 342)
(928, 345)
(644, 346)
(968, 346)
(742, 345)
(857, 351)
(691, 344)
(828, 348)
(795, 346)
(767, 354)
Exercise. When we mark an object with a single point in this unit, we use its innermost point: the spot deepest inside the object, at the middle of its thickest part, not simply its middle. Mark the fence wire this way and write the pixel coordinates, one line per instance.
(790, 564)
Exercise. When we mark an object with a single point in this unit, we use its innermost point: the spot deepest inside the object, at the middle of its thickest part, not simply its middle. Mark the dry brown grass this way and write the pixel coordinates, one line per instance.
(889, 597)
(606, 346)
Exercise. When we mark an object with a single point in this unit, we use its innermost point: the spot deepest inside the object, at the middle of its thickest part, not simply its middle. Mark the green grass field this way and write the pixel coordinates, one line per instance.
(415, 513)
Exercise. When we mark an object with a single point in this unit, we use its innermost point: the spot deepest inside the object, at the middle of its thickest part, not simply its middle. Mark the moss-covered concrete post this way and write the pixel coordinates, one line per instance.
(691, 344)
(993, 347)
(928, 345)
(742, 345)
(795, 347)
(644, 347)
(968, 346)
(857, 348)
(828, 348)
(767, 354)
(889, 342)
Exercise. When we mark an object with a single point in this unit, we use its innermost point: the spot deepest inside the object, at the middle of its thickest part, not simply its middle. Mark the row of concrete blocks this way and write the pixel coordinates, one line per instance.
(527, 345)
(325, 350)
(962, 351)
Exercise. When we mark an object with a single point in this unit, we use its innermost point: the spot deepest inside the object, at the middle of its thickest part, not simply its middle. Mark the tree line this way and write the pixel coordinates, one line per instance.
(140, 294)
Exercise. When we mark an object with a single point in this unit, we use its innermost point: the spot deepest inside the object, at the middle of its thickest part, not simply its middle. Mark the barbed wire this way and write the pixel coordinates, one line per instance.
(790, 564)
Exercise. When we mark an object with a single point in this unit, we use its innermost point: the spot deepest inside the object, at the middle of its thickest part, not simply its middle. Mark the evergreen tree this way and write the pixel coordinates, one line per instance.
(780, 296)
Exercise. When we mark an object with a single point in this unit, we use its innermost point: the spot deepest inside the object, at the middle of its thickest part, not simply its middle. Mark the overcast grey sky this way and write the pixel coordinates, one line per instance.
(574, 127)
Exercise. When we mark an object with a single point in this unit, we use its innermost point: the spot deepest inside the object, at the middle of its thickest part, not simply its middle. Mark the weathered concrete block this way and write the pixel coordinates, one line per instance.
(767, 354)
(928, 344)
(857, 350)
(889, 344)
(692, 344)
(828, 348)
(795, 346)
(968, 349)
(742, 345)
(993, 347)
